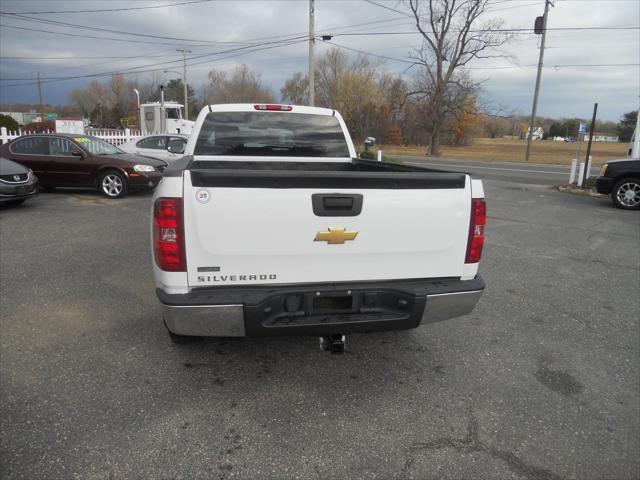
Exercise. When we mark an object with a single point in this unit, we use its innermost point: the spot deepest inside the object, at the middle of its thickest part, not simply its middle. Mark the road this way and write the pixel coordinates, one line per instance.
(512, 172)
(541, 381)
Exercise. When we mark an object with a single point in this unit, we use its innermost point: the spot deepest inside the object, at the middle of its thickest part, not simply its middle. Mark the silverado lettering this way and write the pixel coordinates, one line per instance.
(234, 278)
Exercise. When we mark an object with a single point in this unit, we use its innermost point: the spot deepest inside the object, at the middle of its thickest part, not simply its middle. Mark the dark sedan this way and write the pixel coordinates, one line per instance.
(17, 183)
(67, 160)
(621, 179)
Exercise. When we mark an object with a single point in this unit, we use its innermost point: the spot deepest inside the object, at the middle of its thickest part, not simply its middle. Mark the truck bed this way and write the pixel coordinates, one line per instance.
(362, 174)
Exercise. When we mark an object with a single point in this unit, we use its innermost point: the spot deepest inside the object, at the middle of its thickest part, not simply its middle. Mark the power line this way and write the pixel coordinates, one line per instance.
(333, 28)
(492, 10)
(507, 67)
(406, 14)
(255, 48)
(386, 20)
(99, 29)
(5, 57)
(581, 1)
(133, 69)
(208, 42)
(128, 40)
(112, 9)
(120, 32)
(505, 30)
(369, 53)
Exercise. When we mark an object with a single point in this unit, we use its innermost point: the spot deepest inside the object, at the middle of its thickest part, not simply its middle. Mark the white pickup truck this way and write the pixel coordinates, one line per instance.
(271, 225)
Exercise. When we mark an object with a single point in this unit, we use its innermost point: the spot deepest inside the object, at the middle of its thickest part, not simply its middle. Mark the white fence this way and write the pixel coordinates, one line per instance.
(114, 137)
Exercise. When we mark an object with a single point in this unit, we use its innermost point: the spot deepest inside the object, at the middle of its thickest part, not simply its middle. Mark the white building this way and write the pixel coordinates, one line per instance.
(601, 137)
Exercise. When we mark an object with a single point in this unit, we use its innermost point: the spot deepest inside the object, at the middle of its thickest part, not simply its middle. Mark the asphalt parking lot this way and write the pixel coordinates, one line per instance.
(540, 382)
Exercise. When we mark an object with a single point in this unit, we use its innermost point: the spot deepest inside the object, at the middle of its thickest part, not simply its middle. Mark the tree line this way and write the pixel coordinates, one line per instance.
(373, 101)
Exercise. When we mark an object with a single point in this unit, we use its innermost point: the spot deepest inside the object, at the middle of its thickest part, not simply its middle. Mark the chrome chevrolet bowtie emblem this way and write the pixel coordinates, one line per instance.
(335, 236)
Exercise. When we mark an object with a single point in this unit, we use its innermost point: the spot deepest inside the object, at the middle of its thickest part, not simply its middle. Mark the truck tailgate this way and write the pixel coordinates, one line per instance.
(259, 230)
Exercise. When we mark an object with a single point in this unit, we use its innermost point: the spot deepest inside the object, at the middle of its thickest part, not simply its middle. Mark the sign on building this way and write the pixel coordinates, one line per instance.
(70, 126)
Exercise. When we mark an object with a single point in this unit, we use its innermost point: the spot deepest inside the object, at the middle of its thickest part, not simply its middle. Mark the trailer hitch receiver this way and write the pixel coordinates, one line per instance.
(333, 343)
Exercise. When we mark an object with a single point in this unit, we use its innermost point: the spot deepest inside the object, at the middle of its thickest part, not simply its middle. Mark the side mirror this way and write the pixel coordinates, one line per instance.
(76, 152)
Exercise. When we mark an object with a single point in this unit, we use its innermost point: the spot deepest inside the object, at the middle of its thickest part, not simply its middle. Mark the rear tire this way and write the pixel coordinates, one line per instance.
(626, 193)
(113, 184)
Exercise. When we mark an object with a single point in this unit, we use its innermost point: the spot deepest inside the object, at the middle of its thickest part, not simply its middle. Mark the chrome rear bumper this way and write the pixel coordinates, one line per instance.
(231, 320)
(205, 320)
(444, 306)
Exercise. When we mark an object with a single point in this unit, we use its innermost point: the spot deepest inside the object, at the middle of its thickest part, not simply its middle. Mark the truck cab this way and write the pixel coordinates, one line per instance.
(166, 117)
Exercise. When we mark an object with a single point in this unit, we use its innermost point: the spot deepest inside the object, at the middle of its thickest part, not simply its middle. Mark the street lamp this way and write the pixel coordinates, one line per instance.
(184, 86)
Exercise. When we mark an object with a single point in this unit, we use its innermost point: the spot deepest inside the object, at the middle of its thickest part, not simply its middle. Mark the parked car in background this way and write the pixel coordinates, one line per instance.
(17, 183)
(68, 160)
(621, 179)
(163, 147)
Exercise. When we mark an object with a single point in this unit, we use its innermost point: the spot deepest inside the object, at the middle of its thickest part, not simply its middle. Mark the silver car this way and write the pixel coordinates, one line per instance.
(17, 182)
(167, 147)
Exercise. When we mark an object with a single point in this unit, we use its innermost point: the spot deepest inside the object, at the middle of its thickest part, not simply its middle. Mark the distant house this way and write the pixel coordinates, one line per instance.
(538, 134)
(24, 118)
(601, 137)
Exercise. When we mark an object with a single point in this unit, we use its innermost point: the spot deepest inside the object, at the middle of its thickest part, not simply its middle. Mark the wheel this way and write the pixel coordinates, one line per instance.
(626, 193)
(47, 188)
(113, 184)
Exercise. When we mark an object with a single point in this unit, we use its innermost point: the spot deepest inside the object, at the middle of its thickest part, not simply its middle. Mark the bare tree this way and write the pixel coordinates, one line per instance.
(84, 99)
(242, 85)
(296, 89)
(453, 36)
(149, 89)
(496, 126)
(394, 93)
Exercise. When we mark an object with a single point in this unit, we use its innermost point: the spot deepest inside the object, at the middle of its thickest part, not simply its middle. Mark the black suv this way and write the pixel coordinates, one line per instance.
(621, 179)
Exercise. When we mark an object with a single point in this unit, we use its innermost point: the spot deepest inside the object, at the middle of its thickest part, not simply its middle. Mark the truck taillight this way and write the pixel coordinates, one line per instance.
(168, 235)
(271, 107)
(476, 230)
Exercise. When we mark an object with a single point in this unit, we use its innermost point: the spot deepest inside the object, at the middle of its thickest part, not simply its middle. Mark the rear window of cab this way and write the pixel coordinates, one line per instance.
(274, 134)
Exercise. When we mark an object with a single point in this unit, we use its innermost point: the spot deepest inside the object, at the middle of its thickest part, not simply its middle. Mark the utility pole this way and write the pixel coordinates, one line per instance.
(539, 77)
(184, 81)
(40, 92)
(312, 48)
(587, 163)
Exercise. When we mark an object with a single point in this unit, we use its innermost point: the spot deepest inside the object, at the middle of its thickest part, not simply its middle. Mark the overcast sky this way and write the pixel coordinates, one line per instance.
(211, 27)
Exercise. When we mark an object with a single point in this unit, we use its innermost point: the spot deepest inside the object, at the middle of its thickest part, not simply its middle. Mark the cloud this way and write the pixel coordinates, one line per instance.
(220, 25)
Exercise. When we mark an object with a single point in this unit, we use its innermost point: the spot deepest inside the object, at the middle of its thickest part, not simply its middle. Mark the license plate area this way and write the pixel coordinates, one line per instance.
(332, 304)
(333, 307)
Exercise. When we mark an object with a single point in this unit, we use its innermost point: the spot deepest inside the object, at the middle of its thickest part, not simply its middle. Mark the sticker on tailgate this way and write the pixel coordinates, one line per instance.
(203, 196)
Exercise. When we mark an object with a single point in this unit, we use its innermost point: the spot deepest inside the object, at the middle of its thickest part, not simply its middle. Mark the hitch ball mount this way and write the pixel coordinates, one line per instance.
(333, 343)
